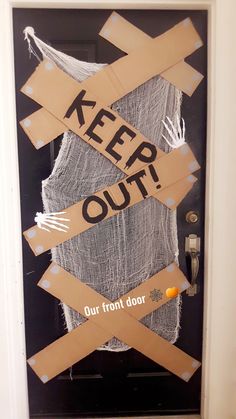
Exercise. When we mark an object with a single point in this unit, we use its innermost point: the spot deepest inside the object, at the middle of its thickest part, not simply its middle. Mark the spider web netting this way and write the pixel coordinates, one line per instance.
(117, 254)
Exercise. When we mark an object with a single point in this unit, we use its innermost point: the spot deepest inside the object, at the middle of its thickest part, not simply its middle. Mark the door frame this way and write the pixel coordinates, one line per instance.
(219, 345)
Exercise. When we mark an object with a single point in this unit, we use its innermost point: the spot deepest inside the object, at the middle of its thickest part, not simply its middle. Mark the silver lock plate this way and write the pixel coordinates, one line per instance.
(192, 243)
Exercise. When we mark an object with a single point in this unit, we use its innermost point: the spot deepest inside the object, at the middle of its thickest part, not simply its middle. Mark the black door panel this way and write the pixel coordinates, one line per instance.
(104, 383)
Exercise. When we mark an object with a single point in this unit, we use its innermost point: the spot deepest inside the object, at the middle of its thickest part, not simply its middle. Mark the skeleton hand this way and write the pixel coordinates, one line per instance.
(51, 220)
(177, 135)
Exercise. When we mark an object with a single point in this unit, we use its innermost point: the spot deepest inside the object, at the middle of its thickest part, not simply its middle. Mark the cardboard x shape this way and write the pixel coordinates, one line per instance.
(121, 322)
(99, 126)
(174, 166)
(110, 84)
(127, 37)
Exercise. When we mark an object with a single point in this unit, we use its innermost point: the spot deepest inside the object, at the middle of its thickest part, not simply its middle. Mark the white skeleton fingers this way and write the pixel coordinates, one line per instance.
(177, 135)
(51, 220)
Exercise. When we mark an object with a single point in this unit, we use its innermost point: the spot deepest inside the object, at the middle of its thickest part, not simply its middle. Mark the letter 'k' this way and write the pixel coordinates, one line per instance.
(77, 105)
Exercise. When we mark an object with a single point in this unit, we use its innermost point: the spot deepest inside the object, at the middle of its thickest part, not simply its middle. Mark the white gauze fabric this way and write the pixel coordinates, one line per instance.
(117, 254)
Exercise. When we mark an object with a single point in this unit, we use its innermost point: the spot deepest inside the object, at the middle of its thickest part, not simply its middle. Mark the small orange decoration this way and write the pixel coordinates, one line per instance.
(172, 292)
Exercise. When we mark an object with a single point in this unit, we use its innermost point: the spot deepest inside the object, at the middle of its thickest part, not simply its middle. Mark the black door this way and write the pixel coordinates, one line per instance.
(105, 383)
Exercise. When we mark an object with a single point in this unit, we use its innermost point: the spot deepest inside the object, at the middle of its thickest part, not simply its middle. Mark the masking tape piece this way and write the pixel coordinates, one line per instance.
(77, 344)
(127, 37)
(166, 171)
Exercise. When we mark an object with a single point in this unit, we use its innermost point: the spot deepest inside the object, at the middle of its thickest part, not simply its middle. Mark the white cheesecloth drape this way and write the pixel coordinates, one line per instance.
(117, 254)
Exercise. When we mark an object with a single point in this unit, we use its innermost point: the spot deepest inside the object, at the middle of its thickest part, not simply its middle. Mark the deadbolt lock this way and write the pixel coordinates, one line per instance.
(192, 217)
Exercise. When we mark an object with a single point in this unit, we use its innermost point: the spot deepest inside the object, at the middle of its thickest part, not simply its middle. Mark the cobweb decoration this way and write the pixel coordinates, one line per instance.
(125, 250)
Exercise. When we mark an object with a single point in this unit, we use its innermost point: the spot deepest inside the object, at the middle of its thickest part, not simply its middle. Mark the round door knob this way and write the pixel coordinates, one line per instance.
(192, 217)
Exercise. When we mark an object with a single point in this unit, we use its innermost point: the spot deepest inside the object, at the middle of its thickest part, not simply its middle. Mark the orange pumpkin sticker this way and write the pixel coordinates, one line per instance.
(172, 292)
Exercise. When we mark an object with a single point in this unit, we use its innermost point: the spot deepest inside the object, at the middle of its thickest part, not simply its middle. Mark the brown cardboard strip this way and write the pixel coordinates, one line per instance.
(119, 78)
(127, 37)
(38, 127)
(179, 73)
(102, 136)
(97, 124)
(177, 192)
(167, 170)
(156, 56)
(42, 127)
(83, 340)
